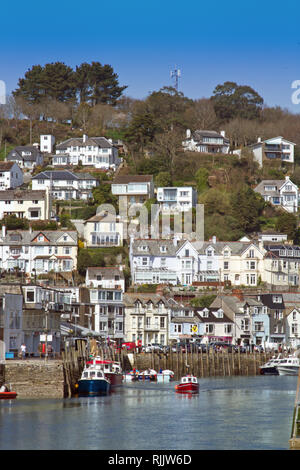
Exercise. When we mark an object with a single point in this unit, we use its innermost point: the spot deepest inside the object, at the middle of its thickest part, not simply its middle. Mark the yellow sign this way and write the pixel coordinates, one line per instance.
(194, 328)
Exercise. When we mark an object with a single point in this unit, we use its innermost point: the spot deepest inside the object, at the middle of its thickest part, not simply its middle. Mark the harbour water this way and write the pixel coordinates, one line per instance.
(230, 413)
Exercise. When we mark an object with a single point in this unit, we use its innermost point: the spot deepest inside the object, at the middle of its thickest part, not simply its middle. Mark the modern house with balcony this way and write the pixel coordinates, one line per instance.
(103, 230)
(280, 193)
(274, 149)
(134, 189)
(205, 141)
(179, 199)
(146, 318)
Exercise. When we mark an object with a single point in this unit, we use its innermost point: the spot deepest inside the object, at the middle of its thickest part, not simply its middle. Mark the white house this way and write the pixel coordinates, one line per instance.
(11, 175)
(47, 142)
(292, 329)
(176, 199)
(274, 149)
(205, 141)
(25, 204)
(137, 189)
(64, 184)
(38, 251)
(27, 157)
(163, 261)
(109, 277)
(103, 229)
(98, 152)
(280, 193)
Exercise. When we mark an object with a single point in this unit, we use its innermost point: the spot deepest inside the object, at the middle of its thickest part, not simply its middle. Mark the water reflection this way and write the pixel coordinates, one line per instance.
(228, 413)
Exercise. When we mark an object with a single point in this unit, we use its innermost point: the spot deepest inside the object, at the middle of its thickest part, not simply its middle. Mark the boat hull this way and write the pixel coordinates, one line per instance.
(288, 370)
(93, 387)
(115, 379)
(269, 371)
(8, 395)
(187, 388)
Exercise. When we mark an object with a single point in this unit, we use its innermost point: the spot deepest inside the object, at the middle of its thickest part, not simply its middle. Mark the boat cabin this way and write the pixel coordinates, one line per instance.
(91, 374)
(189, 379)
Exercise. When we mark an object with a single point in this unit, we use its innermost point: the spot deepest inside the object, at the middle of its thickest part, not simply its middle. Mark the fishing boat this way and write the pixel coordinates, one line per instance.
(289, 366)
(111, 369)
(93, 381)
(270, 367)
(188, 384)
(149, 374)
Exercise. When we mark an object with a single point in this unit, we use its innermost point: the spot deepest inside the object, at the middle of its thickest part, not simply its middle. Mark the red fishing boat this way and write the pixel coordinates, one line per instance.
(8, 395)
(188, 384)
(112, 370)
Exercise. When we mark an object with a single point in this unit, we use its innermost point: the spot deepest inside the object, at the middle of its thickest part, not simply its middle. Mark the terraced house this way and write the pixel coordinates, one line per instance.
(25, 204)
(36, 252)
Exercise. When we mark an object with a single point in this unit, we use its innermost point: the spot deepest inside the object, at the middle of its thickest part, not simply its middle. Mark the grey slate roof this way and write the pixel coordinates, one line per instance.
(63, 175)
(154, 247)
(130, 299)
(106, 272)
(16, 153)
(101, 142)
(27, 237)
(22, 194)
(235, 247)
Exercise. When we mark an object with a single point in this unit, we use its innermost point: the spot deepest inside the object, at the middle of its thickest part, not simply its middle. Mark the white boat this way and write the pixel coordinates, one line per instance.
(270, 367)
(289, 366)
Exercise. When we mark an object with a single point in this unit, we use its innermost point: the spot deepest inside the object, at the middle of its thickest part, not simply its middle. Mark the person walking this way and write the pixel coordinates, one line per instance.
(23, 350)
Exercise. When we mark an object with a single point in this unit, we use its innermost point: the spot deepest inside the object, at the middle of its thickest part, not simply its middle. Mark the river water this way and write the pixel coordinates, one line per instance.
(230, 413)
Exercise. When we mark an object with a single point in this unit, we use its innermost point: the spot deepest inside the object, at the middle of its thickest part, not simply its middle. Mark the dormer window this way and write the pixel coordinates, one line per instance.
(163, 248)
(226, 253)
(220, 313)
(40, 238)
(99, 277)
(277, 299)
(143, 248)
(209, 252)
(205, 312)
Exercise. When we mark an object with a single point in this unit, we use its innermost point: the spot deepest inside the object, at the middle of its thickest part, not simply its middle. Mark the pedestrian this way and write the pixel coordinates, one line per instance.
(40, 349)
(23, 351)
(49, 350)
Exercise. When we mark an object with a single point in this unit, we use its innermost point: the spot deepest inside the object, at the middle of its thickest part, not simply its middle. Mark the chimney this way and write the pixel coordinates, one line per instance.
(84, 138)
(238, 293)
(222, 133)
(175, 241)
(258, 139)
(3, 231)
(214, 239)
(287, 178)
(188, 133)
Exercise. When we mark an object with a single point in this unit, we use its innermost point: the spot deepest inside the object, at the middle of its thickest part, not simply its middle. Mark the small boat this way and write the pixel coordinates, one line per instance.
(289, 366)
(149, 374)
(165, 376)
(112, 370)
(8, 395)
(188, 384)
(270, 367)
(93, 381)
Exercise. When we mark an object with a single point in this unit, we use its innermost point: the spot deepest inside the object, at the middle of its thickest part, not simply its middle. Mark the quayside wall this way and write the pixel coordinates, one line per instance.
(38, 378)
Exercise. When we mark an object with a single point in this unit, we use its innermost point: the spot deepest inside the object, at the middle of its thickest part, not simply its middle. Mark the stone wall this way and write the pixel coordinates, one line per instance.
(36, 378)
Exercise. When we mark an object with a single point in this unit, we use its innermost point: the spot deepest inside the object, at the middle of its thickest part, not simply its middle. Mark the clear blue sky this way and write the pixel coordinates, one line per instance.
(250, 42)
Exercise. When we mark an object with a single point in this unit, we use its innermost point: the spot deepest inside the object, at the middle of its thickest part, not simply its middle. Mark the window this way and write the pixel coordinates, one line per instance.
(226, 265)
(163, 262)
(177, 328)
(30, 296)
(209, 328)
(162, 322)
(144, 261)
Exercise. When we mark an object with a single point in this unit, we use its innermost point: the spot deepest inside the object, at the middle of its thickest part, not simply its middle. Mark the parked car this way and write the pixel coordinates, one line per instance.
(153, 347)
(217, 345)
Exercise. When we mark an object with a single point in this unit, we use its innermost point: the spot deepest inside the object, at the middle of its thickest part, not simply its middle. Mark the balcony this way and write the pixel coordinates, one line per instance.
(151, 328)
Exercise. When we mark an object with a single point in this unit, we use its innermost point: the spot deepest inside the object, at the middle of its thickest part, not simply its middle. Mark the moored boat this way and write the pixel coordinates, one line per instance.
(8, 395)
(289, 366)
(188, 384)
(93, 381)
(111, 369)
(270, 367)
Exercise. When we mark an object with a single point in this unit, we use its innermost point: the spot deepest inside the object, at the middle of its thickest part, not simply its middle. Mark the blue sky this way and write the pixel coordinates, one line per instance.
(251, 42)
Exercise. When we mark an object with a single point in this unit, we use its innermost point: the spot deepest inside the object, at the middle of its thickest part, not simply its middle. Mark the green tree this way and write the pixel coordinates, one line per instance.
(231, 100)
(163, 179)
(287, 223)
(201, 177)
(246, 207)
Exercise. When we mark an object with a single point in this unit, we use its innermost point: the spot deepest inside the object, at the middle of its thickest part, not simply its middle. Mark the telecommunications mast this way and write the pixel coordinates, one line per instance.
(175, 74)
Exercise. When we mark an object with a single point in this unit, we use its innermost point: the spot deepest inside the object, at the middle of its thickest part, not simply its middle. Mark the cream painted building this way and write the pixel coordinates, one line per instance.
(146, 318)
(103, 229)
(25, 204)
